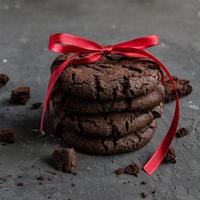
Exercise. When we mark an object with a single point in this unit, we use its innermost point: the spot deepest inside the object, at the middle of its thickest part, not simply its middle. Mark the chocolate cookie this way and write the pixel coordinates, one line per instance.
(110, 124)
(112, 145)
(111, 78)
(72, 104)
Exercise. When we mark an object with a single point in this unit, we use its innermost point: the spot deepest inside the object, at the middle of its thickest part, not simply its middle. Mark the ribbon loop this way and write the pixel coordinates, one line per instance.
(67, 43)
(140, 43)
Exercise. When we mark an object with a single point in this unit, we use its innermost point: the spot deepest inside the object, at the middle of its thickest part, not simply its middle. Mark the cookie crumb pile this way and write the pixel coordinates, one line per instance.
(108, 107)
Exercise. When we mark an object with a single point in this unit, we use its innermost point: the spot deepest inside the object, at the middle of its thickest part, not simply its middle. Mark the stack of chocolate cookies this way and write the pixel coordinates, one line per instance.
(110, 106)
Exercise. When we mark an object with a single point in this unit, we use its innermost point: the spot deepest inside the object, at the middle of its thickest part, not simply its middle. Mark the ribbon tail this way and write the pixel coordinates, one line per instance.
(162, 149)
(54, 77)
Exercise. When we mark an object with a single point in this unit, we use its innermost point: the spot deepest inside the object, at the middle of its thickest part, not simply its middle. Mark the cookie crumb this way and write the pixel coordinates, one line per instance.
(65, 160)
(170, 156)
(52, 173)
(153, 192)
(7, 135)
(35, 106)
(143, 194)
(20, 95)
(3, 80)
(143, 183)
(20, 184)
(132, 169)
(40, 178)
(181, 132)
(119, 171)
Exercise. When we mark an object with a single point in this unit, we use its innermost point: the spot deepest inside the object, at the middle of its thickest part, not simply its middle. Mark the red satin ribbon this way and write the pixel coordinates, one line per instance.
(71, 44)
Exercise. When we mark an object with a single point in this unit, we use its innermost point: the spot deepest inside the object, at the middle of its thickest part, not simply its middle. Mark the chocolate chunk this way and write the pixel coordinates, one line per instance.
(7, 135)
(3, 80)
(20, 95)
(65, 160)
(170, 156)
(181, 132)
(183, 87)
(35, 105)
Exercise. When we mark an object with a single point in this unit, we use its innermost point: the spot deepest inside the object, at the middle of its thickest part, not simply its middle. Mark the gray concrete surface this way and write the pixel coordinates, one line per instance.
(25, 27)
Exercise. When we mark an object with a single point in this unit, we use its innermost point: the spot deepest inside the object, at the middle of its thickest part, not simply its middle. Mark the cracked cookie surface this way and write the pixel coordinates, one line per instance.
(111, 78)
(112, 145)
(108, 125)
(72, 104)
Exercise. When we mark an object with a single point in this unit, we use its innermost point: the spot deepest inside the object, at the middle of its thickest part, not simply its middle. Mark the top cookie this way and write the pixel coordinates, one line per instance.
(112, 78)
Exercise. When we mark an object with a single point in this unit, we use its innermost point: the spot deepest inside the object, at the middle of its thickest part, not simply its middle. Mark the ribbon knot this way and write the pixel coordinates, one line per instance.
(107, 49)
(67, 44)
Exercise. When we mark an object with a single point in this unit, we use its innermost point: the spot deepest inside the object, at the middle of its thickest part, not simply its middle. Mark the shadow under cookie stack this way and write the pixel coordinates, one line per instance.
(108, 107)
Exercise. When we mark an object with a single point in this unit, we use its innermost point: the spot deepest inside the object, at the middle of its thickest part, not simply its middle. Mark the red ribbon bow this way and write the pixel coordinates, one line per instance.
(66, 43)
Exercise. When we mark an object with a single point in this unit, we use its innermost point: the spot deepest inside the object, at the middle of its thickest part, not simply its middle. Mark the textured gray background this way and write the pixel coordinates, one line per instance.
(25, 27)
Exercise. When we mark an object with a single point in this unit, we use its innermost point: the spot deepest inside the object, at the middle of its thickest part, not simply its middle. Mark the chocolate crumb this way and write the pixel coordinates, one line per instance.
(7, 135)
(20, 95)
(20, 184)
(170, 156)
(50, 172)
(181, 132)
(143, 194)
(35, 106)
(143, 183)
(72, 184)
(65, 160)
(153, 192)
(119, 171)
(3, 80)
(40, 178)
(132, 169)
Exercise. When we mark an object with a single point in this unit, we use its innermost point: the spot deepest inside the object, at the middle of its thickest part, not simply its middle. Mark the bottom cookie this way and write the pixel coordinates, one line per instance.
(110, 145)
